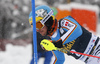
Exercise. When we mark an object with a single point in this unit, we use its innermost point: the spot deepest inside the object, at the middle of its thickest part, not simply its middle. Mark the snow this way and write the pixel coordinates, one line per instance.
(23, 55)
(16, 55)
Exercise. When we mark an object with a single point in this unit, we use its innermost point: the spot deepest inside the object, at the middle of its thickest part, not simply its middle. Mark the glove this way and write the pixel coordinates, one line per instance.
(48, 45)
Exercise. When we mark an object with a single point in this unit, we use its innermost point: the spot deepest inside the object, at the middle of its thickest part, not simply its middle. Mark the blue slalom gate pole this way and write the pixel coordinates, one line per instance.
(34, 59)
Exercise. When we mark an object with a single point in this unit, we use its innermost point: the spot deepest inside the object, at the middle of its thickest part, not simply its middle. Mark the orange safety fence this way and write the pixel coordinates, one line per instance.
(62, 13)
(86, 18)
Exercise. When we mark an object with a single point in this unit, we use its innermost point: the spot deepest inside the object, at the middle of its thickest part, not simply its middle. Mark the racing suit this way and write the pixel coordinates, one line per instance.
(76, 38)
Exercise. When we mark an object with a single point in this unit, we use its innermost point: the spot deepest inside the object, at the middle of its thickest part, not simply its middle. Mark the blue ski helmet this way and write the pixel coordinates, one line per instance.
(42, 14)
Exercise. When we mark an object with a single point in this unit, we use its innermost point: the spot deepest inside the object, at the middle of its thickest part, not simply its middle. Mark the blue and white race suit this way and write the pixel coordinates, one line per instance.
(75, 38)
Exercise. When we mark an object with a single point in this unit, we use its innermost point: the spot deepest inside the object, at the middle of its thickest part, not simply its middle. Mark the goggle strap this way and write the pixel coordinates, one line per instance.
(46, 17)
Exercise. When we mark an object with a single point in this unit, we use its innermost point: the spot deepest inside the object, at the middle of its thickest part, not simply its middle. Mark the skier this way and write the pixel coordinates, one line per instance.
(66, 33)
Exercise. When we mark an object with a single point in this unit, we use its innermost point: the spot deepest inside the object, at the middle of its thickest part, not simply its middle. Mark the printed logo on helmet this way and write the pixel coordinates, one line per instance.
(41, 13)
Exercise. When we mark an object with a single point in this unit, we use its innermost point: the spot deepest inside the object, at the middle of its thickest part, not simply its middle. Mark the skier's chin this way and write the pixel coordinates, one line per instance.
(43, 34)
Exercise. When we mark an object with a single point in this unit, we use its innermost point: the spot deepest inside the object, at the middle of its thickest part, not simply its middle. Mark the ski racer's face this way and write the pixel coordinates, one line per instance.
(43, 31)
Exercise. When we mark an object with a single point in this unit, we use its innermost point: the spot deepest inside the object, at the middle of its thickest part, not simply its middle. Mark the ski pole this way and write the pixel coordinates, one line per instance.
(69, 52)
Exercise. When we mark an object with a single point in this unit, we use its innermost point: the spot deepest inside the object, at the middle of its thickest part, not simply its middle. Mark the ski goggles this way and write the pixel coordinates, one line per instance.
(39, 25)
(41, 21)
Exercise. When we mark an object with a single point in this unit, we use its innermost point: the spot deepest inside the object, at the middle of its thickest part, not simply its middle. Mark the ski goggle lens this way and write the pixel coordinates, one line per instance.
(39, 25)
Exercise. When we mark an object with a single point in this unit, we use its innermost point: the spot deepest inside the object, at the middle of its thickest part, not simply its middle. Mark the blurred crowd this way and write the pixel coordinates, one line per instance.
(14, 25)
(15, 14)
(14, 18)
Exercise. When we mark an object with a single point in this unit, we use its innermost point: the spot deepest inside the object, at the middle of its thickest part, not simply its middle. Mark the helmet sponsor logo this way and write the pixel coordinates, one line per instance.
(41, 13)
